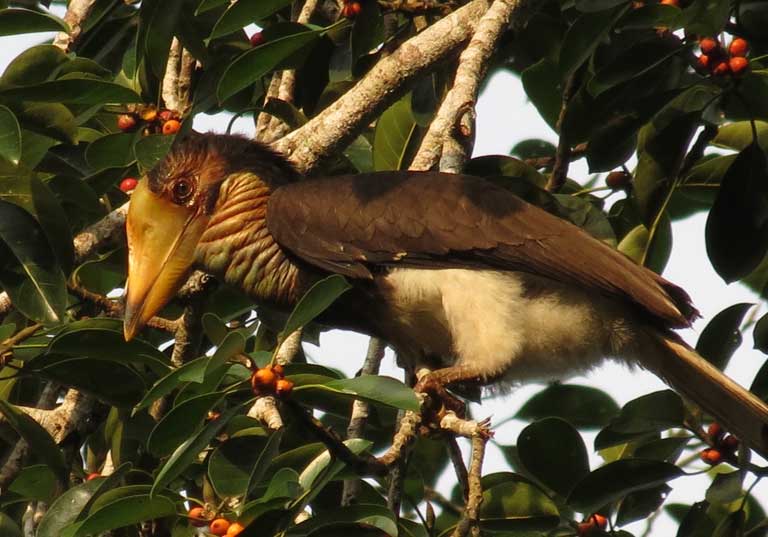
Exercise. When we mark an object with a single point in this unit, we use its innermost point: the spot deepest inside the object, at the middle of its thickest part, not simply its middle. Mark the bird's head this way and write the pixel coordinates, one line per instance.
(170, 209)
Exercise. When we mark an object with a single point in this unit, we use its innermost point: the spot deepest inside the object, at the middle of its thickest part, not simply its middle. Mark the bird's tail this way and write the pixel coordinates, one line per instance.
(735, 408)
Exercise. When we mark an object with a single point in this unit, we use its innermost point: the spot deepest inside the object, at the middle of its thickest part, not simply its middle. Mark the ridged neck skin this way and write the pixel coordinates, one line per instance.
(237, 247)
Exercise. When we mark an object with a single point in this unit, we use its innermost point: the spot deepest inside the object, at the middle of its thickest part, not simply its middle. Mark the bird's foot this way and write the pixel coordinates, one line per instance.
(439, 400)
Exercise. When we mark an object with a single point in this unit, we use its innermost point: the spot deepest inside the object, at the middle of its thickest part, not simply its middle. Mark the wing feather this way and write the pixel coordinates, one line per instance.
(351, 224)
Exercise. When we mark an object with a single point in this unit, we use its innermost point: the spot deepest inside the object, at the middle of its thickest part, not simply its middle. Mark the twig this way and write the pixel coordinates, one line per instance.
(177, 80)
(454, 453)
(285, 92)
(563, 154)
(579, 151)
(360, 411)
(362, 464)
(451, 134)
(697, 149)
(77, 12)
(340, 122)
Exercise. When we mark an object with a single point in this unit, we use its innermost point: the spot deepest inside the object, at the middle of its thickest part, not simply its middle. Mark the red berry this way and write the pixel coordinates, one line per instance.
(165, 115)
(219, 526)
(721, 69)
(702, 62)
(738, 64)
(235, 529)
(263, 381)
(126, 122)
(715, 431)
(128, 184)
(149, 114)
(93, 476)
(711, 456)
(739, 47)
(618, 180)
(279, 370)
(284, 387)
(599, 520)
(708, 45)
(171, 126)
(197, 517)
(730, 443)
(675, 3)
(257, 39)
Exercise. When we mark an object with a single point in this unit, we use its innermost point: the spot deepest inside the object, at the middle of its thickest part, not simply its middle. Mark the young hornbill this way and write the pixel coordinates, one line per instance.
(457, 273)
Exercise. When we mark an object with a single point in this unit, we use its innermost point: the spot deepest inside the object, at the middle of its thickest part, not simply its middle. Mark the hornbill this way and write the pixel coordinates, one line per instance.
(455, 272)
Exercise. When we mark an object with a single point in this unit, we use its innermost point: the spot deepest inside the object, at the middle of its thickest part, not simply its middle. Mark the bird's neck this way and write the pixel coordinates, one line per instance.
(237, 246)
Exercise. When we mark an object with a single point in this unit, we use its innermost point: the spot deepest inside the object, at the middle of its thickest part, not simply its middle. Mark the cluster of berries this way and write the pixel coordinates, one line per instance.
(718, 61)
(151, 120)
(270, 380)
(594, 524)
(351, 9)
(725, 445)
(220, 526)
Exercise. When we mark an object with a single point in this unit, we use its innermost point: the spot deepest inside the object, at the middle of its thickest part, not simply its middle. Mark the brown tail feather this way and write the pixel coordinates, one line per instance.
(738, 410)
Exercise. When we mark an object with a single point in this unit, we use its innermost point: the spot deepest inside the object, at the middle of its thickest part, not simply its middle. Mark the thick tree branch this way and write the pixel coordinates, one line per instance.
(77, 12)
(338, 124)
(451, 134)
(177, 82)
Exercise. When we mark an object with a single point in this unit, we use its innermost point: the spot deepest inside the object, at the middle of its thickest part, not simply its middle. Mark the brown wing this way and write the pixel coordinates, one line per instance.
(349, 224)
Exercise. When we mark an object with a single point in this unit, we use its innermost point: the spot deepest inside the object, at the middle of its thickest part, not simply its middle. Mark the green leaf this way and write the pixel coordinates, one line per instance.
(738, 136)
(368, 30)
(157, 23)
(180, 423)
(725, 488)
(512, 504)
(394, 131)
(533, 148)
(374, 388)
(52, 120)
(760, 334)
(230, 465)
(88, 91)
(40, 442)
(39, 290)
(583, 37)
(193, 371)
(36, 64)
(650, 413)
(639, 505)
(618, 479)
(705, 17)
(322, 469)
(36, 482)
(207, 5)
(650, 252)
(16, 21)
(9, 528)
(737, 232)
(553, 451)
(542, 85)
(66, 508)
(124, 512)
(214, 328)
(35, 197)
(241, 14)
(580, 405)
(721, 337)
(366, 515)
(266, 458)
(111, 151)
(315, 301)
(10, 136)
(662, 144)
(250, 66)
(151, 149)
(187, 453)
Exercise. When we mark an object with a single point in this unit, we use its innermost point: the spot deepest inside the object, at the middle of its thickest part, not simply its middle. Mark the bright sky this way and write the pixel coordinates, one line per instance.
(504, 117)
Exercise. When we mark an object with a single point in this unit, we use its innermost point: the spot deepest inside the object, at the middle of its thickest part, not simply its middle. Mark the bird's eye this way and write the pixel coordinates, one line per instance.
(182, 190)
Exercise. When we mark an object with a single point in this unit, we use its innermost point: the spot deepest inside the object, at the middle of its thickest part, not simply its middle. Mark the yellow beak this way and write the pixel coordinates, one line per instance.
(162, 238)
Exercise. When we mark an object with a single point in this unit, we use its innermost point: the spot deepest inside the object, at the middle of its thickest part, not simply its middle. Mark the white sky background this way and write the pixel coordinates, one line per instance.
(505, 117)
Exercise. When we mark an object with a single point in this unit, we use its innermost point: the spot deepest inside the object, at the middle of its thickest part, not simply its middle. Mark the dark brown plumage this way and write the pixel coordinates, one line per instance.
(451, 270)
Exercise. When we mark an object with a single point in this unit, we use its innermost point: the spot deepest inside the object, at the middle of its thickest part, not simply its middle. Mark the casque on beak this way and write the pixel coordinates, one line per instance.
(162, 237)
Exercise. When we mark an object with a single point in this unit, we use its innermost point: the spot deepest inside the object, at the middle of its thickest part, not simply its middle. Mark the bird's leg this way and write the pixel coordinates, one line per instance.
(434, 385)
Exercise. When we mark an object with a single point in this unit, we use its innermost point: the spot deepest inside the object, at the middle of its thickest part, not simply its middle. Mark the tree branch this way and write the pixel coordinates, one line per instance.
(452, 132)
(177, 81)
(563, 153)
(77, 12)
(338, 124)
